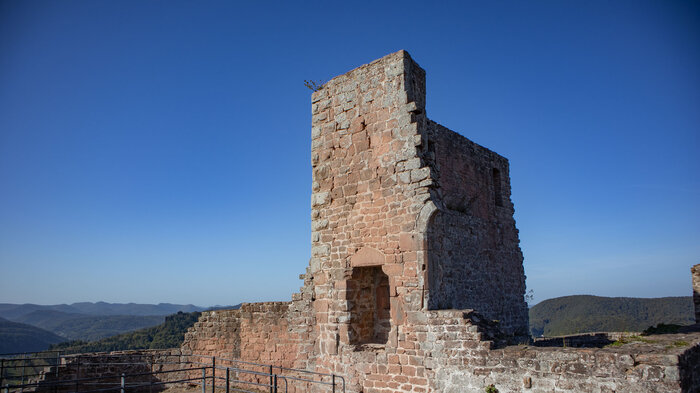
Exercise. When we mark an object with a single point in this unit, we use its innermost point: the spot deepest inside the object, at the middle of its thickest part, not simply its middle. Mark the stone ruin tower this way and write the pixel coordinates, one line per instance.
(408, 218)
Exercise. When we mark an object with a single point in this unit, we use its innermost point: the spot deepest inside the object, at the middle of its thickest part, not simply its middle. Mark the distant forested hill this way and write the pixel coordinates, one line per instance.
(585, 313)
(74, 326)
(19, 337)
(169, 334)
(102, 308)
(13, 311)
(87, 321)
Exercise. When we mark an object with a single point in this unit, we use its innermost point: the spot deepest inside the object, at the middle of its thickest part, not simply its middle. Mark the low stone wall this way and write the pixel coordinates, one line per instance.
(662, 363)
(104, 369)
(216, 333)
(257, 332)
(583, 340)
(254, 333)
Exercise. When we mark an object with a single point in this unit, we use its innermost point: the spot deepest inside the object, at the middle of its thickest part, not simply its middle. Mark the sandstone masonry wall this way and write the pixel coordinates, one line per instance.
(474, 260)
(216, 333)
(257, 332)
(667, 363)
(395, 191)
(274, 333)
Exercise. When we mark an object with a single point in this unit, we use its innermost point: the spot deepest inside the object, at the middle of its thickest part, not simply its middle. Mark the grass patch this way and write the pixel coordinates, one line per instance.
(630, 339)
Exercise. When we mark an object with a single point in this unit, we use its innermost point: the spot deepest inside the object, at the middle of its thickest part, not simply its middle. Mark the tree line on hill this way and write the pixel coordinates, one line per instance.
(20, 337)
(584, 313)
(169, 334)
(32, 327)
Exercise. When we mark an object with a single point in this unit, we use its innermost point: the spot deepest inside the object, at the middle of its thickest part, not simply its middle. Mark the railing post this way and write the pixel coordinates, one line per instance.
(24, 359)
(121, 390)
(227, 379)
(58, 365)
(77, 372)
(204, 380)
(275, 384)
(271, 381)
(2, 370)
(150, 377)
(333, 386)
(213, 374)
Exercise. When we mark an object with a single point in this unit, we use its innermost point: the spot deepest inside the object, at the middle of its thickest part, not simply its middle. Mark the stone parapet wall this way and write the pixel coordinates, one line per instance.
(216, 333)
(592, 339)
(661, 364)
(97, 370)
(256, 332)
(273, 333)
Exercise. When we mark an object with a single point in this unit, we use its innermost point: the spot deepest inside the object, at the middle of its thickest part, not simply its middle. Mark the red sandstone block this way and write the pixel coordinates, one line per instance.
(418, 381)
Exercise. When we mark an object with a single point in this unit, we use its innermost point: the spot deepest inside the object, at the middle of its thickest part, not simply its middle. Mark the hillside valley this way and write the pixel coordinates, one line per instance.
(20, 337)
(33, 327)
(586, 313)
(168, 334)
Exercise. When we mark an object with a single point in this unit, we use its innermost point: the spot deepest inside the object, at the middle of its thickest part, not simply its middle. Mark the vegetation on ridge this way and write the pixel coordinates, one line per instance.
(584, 313)
(169, 334)
(87, 327)
(20, 337)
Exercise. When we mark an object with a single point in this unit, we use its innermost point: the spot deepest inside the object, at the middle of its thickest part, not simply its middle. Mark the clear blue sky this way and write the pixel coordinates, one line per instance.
(158, 151)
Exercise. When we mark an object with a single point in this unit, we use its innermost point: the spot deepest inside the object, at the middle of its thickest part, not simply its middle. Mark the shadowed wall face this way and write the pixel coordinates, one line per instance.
(368, 294)
(474, 257)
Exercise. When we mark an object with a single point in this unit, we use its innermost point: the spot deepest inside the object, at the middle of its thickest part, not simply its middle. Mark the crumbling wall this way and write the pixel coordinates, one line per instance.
(265, 336)
(216, 333)
(274, 333)
(463, 359)
(256, 332)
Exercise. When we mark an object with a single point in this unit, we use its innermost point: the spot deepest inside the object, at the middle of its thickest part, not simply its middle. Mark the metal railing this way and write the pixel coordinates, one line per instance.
(29, 371)
(26, 365)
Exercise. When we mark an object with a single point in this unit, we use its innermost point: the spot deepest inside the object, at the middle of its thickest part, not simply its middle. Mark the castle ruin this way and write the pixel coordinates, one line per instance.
(416, 280)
